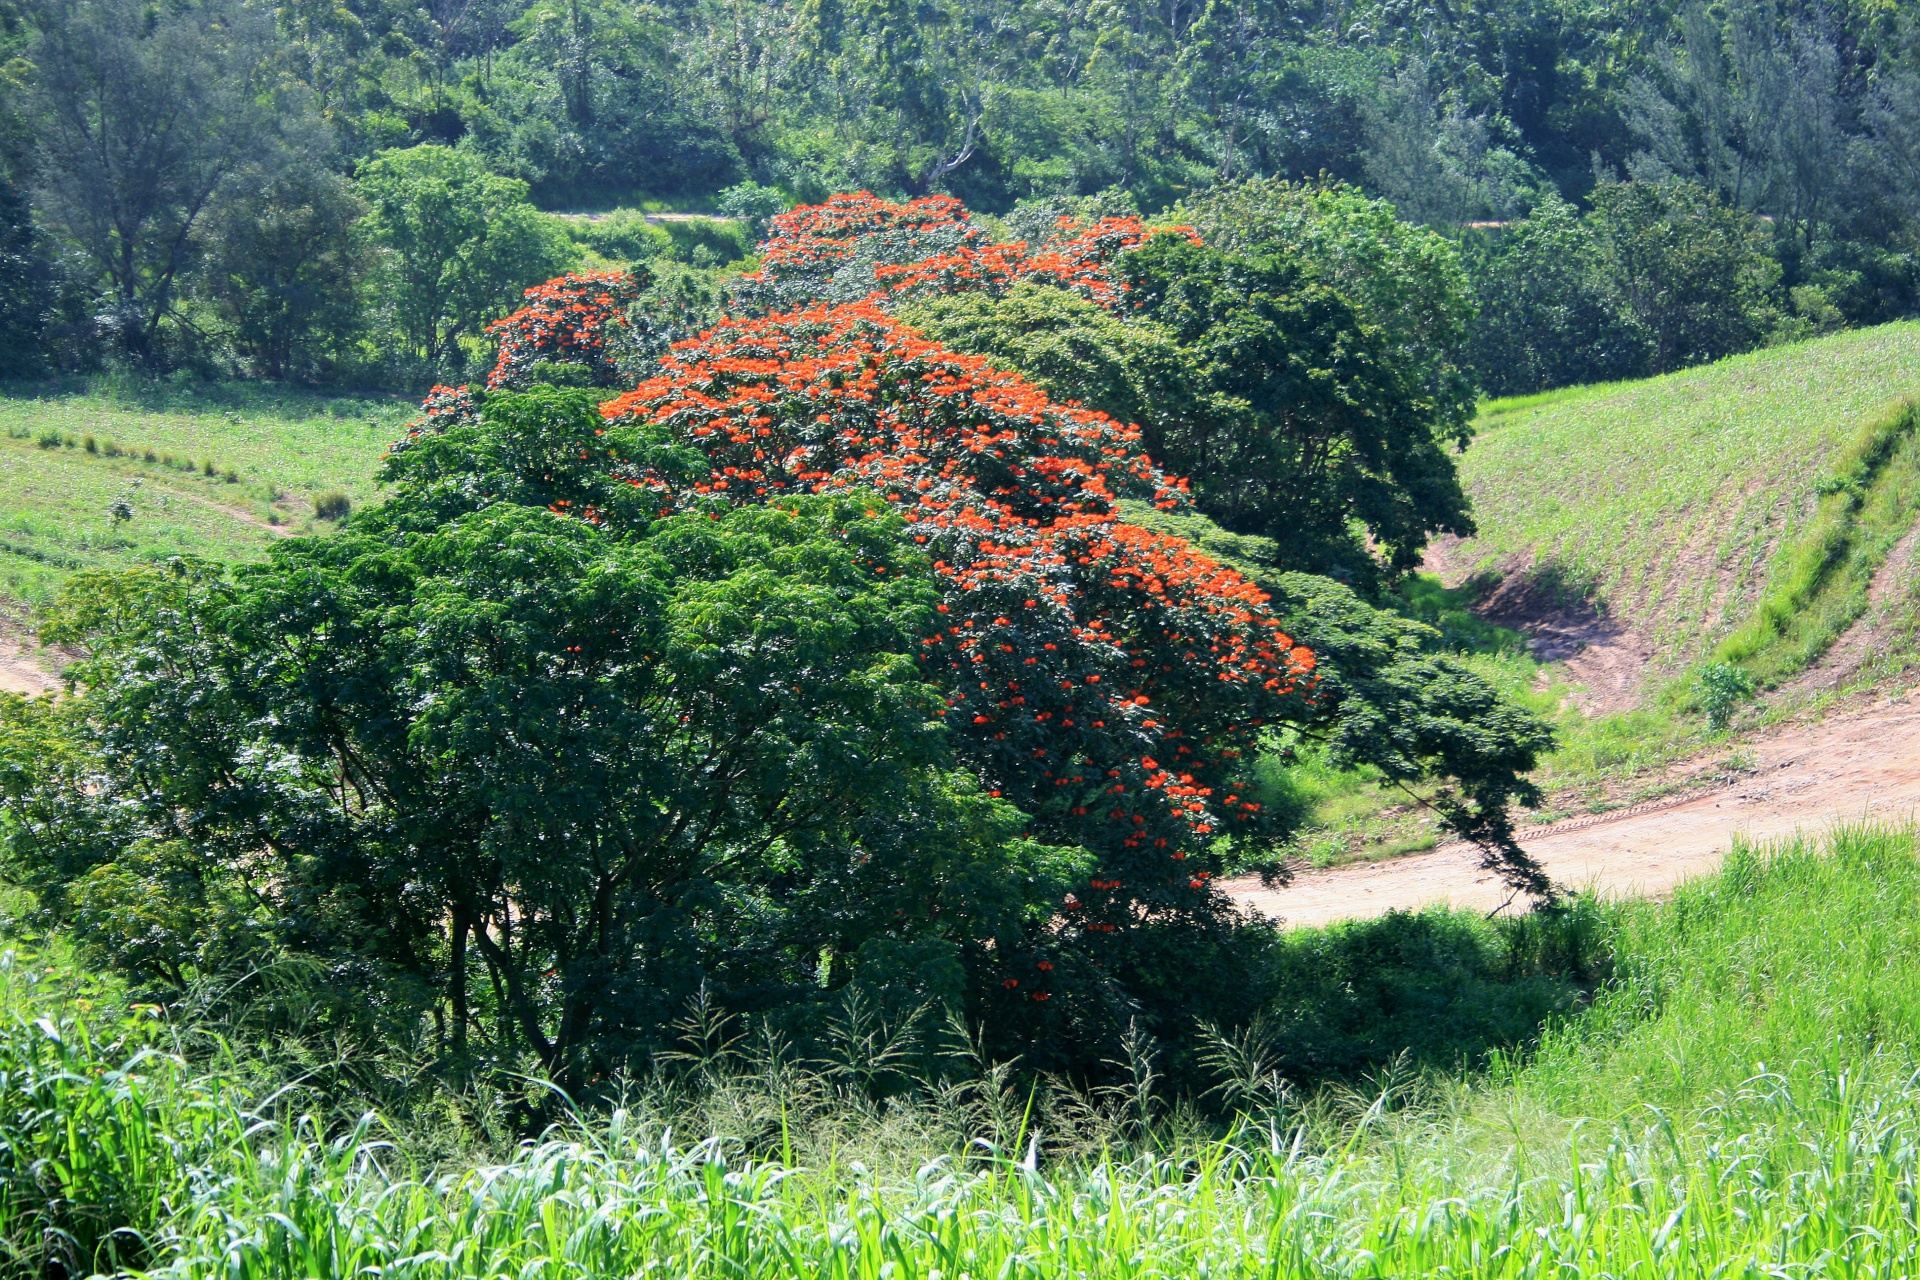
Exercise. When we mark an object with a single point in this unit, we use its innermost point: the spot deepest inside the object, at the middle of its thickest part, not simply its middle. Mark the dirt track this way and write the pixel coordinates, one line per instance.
(1803, 779)
(19, 673)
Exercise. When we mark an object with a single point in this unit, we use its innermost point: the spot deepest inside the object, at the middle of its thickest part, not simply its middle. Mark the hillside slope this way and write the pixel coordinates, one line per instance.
(1668, 507)
(218, 472)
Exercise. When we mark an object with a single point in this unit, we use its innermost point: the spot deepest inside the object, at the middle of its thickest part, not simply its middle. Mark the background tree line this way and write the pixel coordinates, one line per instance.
(202, 183)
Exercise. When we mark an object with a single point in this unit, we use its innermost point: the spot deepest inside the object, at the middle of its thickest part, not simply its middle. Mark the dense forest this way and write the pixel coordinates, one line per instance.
(230, 188)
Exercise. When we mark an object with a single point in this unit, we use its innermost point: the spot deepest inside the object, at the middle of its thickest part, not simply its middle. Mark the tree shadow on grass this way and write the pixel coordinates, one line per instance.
(1437, 988)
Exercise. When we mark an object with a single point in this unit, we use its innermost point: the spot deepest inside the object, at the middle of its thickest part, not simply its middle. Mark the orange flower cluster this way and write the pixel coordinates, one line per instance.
(443, 409)
(566, 321)
(930, 245)
(1079, 652)
(1079, 261)
(811, 234)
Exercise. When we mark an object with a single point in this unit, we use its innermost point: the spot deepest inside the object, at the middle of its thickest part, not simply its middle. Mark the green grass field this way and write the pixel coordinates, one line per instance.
(153, 448)
(1671, 500)
(1739, 1099)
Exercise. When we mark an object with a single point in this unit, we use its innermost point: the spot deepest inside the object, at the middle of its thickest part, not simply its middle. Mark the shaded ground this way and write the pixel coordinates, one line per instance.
(1803, 779)
(1606, 661)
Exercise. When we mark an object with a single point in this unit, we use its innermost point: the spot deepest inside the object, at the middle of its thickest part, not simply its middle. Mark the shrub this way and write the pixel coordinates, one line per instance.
(753, 205)
(1723, 687)
(333, 505)
(716, 241)
(624, 235)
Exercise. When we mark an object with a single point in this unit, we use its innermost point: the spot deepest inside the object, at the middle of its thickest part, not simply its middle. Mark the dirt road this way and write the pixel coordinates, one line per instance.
(1803, 779)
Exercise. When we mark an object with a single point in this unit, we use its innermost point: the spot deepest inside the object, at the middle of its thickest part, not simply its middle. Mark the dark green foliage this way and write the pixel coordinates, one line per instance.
(1391, 700)
(1435, 989)
(1695, 274)
(584, 103)
(1552, 313)
(26, 287)
(1659, 276)
(1802, 118)
(142, 120)
(1401, 279)
(334, 505)
(286, 270)
(537, 779)
(1312, 426)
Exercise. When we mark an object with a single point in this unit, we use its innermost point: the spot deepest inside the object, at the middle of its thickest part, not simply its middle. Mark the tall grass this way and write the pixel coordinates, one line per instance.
(1740, 1101)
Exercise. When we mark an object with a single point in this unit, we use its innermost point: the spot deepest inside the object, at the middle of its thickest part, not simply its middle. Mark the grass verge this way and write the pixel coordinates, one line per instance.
(1819, 584)
(1741, 1100)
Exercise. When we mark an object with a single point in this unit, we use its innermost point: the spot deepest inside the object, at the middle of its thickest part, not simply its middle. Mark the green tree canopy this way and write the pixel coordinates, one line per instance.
(1266, 387)
(1403, 279)
(575, 773)
(1696, 273)
(458, 244)
(1551, 311)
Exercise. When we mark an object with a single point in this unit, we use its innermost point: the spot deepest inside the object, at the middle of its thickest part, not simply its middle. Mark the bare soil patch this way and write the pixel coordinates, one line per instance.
(1603, 658)
(1806, 779)
(20, 672)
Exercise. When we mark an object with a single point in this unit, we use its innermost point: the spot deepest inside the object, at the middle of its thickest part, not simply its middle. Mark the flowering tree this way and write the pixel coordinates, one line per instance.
(858, 246)
(1109, 681)
(576, 319)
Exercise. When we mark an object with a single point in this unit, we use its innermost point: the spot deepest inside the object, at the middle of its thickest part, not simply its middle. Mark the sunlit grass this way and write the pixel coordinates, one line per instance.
(1670, 497)
(279, 448)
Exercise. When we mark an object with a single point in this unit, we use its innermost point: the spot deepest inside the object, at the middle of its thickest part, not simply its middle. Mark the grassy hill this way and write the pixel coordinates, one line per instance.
(1677, 504)
(212, 471)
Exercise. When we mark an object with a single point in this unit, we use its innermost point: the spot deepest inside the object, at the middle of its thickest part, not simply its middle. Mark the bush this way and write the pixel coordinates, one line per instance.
(333, 505)
(1723, 687)
(753, 205)
(624, 235)
(708, 241)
